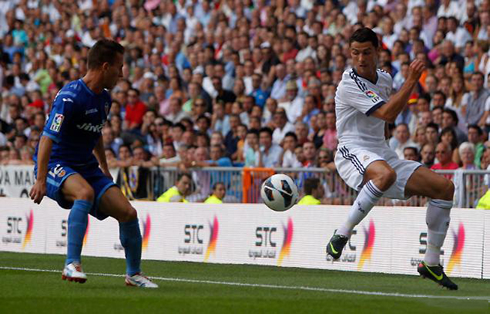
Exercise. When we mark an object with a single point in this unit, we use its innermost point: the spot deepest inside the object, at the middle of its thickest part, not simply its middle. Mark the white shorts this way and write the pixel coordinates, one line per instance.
(352, 162)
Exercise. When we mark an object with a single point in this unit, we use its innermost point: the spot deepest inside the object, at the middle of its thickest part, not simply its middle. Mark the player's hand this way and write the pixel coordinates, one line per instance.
(38, 191)
(416, 69)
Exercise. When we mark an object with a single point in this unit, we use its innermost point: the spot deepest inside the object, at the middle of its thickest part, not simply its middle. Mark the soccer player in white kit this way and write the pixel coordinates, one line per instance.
(365, 162)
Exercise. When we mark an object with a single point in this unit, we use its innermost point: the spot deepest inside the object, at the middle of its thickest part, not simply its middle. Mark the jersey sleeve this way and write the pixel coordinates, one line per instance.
(355, 93)
(61, 114)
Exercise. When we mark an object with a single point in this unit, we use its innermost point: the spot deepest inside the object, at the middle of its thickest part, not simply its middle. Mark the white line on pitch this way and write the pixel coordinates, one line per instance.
(239, 284)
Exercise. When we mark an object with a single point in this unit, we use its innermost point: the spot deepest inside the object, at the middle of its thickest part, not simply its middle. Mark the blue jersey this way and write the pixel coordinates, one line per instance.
(75, 124)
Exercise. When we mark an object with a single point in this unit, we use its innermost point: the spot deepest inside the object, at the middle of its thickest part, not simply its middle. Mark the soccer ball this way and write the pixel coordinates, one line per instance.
(279, 192)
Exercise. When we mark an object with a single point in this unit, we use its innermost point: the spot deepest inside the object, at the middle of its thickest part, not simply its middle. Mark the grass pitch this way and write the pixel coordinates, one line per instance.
(215, 288)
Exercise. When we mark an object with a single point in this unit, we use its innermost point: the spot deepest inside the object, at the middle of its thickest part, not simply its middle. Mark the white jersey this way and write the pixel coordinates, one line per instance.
(355, 100)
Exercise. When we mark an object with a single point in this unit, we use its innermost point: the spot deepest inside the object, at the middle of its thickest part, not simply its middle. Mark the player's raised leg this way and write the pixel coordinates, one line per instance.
(113, 203)
(379, 177)
(441, 192)
(76, 189)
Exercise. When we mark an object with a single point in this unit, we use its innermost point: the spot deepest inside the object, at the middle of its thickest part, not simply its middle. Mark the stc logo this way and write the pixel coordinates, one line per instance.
(194, 239)
(350, 251)
(266, 245)
(146, 232)
(213, 238)
(458, 246)
(370, 235)
(30, 224)
(14, 230)
(286, 244)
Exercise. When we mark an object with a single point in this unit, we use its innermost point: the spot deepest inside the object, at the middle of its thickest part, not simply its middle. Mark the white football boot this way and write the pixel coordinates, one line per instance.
(74, 272)
(138, 280)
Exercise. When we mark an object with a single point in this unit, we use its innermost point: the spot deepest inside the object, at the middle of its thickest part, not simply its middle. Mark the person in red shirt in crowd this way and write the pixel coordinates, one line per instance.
(135, 110)
(443, 154)
(289, 51)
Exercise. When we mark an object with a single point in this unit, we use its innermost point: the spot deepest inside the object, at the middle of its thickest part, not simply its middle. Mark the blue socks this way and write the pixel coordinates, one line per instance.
(130, 236)
(77, 225)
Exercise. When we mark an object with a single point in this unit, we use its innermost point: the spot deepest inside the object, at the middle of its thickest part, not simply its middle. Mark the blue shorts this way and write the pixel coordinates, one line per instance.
(57, 174)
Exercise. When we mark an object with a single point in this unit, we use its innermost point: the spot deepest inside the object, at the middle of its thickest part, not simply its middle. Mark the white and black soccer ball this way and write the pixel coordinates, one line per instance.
(279, 192)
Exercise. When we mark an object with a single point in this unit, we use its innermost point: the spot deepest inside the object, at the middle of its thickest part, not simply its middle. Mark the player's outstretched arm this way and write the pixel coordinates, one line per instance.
(39, 189)
(389, 111)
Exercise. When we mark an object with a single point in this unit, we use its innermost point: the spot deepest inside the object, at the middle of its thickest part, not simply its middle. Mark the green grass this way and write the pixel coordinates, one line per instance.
(44, 292)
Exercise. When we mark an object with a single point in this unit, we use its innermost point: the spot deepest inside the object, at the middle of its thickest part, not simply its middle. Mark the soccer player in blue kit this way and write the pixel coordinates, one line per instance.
(71, 167)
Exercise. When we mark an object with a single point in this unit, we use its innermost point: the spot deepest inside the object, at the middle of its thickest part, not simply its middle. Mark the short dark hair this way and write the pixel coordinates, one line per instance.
(104, 50)
(453, 115)
(253, 131)
(477, 128)
(205, 118)
(433, 126)
(478, 73)
(363, 35)
(440, 93)
(438, 107)
(454, 141)
(310, 185)
(412, 148)
(180, 126)
(215, 186)
(183, 174)
(266, 130)
(293, 135)
(132, 89)
(425, 96)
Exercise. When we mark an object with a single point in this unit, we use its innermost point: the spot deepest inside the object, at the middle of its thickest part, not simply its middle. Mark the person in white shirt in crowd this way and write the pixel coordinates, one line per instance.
(279, 85)
(474, 101)
(293, 102)
(448, 8)
(401, 140)
(457, 34)
(400, 76)
(389, 36)
(288, 157)
(269, 110)
(305, 50)
(269, 151)
(176, 113)
(282, 126)
(484, 17)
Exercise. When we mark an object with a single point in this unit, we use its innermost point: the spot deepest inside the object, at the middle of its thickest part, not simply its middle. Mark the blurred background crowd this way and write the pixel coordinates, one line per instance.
(247, 82)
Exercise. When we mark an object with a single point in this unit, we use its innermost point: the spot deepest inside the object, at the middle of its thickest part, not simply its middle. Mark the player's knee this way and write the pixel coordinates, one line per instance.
(85, 193)
(129, 214)
(447, 190)
(386, 178)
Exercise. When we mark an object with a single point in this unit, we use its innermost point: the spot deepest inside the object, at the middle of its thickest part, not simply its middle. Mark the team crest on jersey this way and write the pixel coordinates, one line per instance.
(374, 97)
(57, 121)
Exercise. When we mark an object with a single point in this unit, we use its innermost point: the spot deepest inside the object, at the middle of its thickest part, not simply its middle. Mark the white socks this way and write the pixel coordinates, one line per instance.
(368, 196)
(437, 219)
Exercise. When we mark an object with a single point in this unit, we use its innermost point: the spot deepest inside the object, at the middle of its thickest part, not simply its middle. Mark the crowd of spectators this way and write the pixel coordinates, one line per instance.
(247, 82)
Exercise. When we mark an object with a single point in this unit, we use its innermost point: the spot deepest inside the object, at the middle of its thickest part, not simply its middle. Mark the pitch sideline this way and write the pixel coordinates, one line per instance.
(304, 288)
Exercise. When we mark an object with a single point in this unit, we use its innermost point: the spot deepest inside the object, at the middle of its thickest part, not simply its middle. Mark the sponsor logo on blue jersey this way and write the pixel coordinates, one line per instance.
(90, 127)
